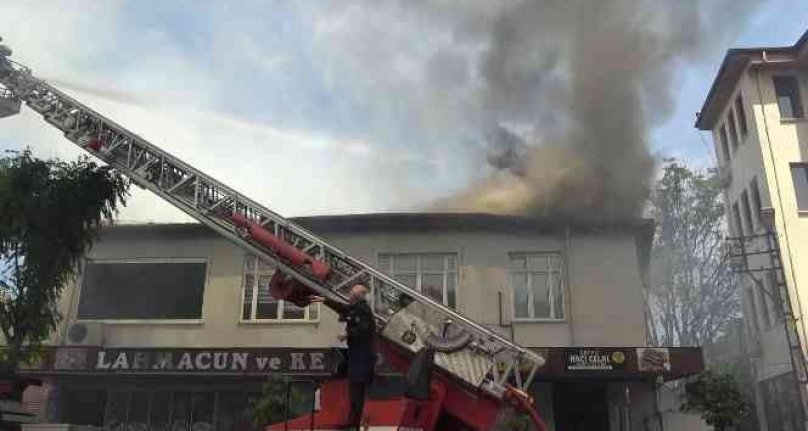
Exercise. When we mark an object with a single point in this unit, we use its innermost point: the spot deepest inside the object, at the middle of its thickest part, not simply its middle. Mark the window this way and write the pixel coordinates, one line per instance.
(736, 216)
(741, 112)
(756, 201)
(775, 302)
(724, 141)
(787, 89)
(259, 305)
(170, 407)
(747, 213)
(432, 274)
(799, 174)
(733, 128)
(763, 305)
(537, 283)
(142, 290)
(752, 317)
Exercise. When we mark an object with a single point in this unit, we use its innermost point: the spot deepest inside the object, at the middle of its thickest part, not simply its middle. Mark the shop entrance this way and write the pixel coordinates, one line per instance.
(580, 406)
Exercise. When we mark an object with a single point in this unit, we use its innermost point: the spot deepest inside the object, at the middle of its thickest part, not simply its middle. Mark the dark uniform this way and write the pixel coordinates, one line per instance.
(360, 328)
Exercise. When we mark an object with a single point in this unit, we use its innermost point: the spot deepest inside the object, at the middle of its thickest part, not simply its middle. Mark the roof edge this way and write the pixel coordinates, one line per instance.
(729, 71)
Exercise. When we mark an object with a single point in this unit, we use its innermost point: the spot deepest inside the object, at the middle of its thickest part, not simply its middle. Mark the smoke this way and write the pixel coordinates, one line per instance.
(560, 94)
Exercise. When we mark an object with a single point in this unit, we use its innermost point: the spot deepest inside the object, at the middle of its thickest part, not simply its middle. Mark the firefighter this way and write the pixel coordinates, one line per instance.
(360, 330)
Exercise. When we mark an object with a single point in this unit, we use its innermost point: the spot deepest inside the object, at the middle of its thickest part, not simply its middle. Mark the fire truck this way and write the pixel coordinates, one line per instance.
(460, 375)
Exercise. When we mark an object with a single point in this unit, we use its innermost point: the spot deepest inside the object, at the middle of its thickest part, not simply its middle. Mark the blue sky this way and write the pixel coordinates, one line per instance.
(273, 97)
(775, 23)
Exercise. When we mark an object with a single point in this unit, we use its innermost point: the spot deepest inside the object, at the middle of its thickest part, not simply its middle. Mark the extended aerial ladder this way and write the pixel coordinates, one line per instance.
(481, 375)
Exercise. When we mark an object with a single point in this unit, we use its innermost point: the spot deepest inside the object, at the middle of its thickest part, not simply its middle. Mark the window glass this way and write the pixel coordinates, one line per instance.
(725, 139)
(138, 417)
(538, 288)
(160, 414)
(202, 411)
(520, 295)
(432, 262)
(733, 128)
(747, 213)
(541, 294)
(763, 306)
(432, 286)
(266, 306)
(291, 311)
(181, 411)
(410, 280)
(799, 176)
(753, 314)
(433, 274)
(741, 112)
(249, 282)
(738, 224)
(259, 304)
(756, 202)
(117, 403)
(786, 87)
(450, 291)
(142, 290)
(84, 407)
(405, 262)
(722, 142)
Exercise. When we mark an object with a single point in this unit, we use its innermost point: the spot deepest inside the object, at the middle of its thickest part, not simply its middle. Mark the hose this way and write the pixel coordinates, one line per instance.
(524, 403)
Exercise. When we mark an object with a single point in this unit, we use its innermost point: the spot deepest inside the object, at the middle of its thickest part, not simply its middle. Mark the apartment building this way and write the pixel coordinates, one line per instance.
(172, 326)
(756, 111)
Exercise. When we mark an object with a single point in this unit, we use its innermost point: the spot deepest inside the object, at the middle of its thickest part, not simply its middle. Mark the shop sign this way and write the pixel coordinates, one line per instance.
(653, 359)
(300, 361)
(595, 359)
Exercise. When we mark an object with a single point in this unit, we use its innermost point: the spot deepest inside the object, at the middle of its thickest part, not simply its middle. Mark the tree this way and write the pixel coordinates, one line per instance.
(717, 398)
(274, 407)
(50, 211)
(692, 297)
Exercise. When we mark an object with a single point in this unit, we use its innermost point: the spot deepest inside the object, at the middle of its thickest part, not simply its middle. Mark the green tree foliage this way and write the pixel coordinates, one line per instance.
(50, 211)
(717, 398)
(692, 297)
(272, 407)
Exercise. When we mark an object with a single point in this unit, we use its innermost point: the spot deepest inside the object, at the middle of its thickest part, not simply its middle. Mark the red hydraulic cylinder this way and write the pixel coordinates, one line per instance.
(292, 255)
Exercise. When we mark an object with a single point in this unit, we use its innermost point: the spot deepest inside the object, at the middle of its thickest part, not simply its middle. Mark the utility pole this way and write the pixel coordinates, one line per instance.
(759, 256)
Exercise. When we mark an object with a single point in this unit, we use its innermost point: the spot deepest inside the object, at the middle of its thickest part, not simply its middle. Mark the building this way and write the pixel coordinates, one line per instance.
(171, 326)
(756, 111)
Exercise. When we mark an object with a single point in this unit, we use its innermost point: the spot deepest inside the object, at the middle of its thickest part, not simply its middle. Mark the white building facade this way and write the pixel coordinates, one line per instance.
(172, 326)
(756, 111)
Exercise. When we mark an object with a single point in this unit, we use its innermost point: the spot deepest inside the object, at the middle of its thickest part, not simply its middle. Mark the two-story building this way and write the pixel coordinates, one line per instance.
(172, 327)
(756, 111)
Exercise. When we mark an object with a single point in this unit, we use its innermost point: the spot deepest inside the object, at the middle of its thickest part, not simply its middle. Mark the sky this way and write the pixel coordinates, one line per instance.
(285, 101)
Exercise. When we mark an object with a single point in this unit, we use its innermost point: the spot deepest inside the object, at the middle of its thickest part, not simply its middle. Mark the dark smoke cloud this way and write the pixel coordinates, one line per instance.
(559, 95)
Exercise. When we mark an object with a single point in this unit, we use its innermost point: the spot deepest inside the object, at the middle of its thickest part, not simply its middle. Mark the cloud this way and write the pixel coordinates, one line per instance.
(179, 107)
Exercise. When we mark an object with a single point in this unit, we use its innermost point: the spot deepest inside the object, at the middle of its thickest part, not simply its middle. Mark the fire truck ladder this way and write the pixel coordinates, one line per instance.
(466, 350)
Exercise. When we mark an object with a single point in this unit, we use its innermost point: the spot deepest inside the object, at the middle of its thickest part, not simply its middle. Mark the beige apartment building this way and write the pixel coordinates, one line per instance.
(756, 111)
(172, 327)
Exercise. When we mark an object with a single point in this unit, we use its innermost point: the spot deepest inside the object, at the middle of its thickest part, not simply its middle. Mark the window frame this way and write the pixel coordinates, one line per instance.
(750, 223)
(563, 290)
(756, 199)
(279, 319)
(738, 219)
(740, 111)
(722, 132)
(796, 99)
(80, 289)
(732, 126)
(796, 167)
(419, 273)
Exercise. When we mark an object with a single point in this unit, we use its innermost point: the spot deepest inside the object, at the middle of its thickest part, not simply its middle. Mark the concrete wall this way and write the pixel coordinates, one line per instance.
(767, 152)
(603, 289)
